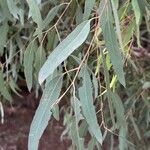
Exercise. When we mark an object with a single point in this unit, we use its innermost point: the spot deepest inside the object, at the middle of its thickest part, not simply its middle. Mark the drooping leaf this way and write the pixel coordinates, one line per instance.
(50, 16)
(28, 63)
(117, 103)
(117, 23)
(64, 49)
(89, 4)
(43, 112)
(110, 38)
(86, 98)
(135, 126)
(17, 12)
(3, 90)
(137, 11)
(34, 12)
(40, 57)
(122, 138)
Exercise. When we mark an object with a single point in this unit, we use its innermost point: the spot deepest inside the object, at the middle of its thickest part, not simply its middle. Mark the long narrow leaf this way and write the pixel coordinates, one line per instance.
(3, 90)
(64, 49)
(43, 112)
(111, 39)
(28, 64)
(86, 98)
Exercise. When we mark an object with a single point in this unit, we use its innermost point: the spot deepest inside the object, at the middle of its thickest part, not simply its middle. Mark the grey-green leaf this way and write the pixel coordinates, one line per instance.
(43, 112)
(34, 12)
(110, 38)
(3, 37)
(28, 63)
(89, 4)
(86, 98)
(3, 90)
(64, 49)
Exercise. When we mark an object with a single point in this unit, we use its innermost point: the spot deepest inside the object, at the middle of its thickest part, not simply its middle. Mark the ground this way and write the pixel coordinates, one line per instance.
(14, 132)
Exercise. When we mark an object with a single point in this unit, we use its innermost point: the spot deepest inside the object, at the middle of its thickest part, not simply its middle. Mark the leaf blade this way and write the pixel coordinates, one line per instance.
(64, 49)
(43, 112)
(86, 98)
(111, 40)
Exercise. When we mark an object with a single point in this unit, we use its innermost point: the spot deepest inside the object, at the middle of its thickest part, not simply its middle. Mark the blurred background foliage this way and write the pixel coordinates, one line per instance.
(30, 30)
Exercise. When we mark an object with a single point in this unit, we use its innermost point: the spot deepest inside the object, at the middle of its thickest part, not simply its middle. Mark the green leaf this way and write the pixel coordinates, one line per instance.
(122, 138)
(3, 89)
(135, 126)
(86, 98)
(40, 57)
(64, 49)
(137, 11)
(119, 108)
(89, 4)
(43, 112)
(111, 40)
(35, 13)
(50, 16)
(28, 63)
(15, 11)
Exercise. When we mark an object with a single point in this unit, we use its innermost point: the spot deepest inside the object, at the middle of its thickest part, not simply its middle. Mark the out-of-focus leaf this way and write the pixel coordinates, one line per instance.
(146, 85)
(143, 5)
(138, 15)
(64, 49)
(117, 23)
(111, 39)
(89, 4)
(91, 144)
(50, 16)
(5, 13)
(34, 12)
(28, 63)
(17, 12)
(14, 87)
(86, 98)
(3, 30)
(122, 138)
(3, 90)
(135, 126)
(55, 111)
(79, 15)
(43, 112)
(137, 11)
(117, 103)
(40, 57)
(79, 142)
(83, 128)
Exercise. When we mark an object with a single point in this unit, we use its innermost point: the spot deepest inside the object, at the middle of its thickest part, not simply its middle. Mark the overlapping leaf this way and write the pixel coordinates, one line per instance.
(89, 4)
(111, 39)
(3, 90)
(86, 98)
(43, 112)
(28, 63)
(64, 49)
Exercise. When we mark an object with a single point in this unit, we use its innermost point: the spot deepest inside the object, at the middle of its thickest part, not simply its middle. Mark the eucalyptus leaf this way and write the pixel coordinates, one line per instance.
(86, 98)
(43, 112)
(110, 38)
(89, 4)
(28, 63)
(3, 90)
(64, 49)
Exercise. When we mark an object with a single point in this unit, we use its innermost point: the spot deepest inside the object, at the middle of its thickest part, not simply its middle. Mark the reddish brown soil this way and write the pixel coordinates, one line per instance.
(14, 132)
